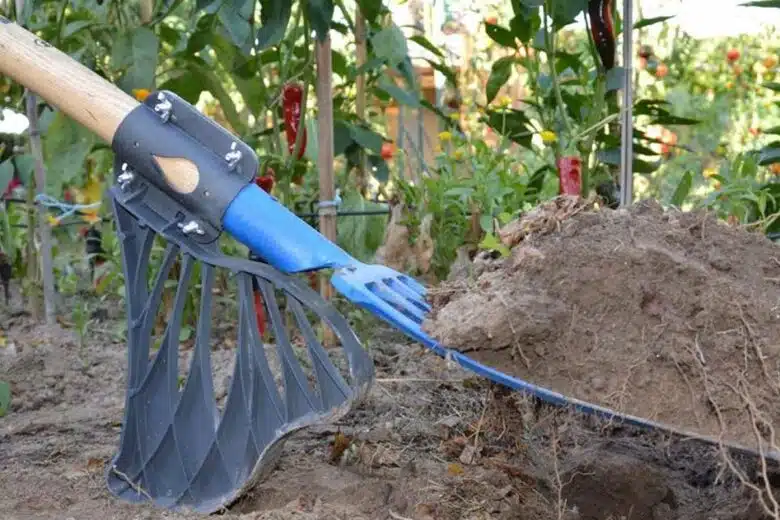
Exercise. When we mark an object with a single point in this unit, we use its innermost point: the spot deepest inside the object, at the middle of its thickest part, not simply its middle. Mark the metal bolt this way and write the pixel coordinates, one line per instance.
(191, 227)
(163, 107)
(126, 177)
(233, 156)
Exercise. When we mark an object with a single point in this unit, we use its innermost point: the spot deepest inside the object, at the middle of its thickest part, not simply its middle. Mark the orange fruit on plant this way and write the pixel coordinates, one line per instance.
(770, 61)
(387, 150)
(775, 168)
(492, 20)
(661, 71)
(732, 55)
(754, 131)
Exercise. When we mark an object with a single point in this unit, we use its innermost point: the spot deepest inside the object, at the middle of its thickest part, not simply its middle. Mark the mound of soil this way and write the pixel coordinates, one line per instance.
(667, 315)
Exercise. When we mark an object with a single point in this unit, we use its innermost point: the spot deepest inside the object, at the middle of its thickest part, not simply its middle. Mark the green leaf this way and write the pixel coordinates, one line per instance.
(772, 85)
(762, 3)
(615, 78)
(6, 172)
(185, 333)
(74, 27)
(565, 12)
(769, 154)
(612, 156)
(425, 43)
(379, 168)
(390, 45)
(236, 18)
(342, 137)
(367, 138)
(500, 73)
(513, 124)
(645, 22)
(5, 398)
(682, 190)
(775, 130)
(524, 26)
(371, 9)
(65, 148)
(386, 85)
(137, 52)
(320, 15)
(500, 35)
(274, 17)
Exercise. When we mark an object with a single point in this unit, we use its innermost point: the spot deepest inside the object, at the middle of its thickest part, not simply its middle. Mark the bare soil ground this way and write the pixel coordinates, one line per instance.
(669, 316)
(429, 442)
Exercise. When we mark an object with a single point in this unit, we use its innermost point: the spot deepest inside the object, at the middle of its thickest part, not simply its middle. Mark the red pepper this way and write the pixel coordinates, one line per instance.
(292, 99)
(602, 29)
(569, 175)
(266, 182)
(12, 185)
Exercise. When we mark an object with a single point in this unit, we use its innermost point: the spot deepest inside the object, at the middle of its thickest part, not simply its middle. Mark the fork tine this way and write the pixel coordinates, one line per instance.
(408, 293)
(384, 291)
(414, 284)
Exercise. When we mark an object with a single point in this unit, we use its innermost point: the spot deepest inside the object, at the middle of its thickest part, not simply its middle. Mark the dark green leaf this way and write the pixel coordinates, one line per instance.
(74, 27)
(274, 17)
(186, 84)
(769, 154)
(525, 26)
(423, 42)
(682, 190)
(612, 156)
(500, 73)
(447, 72)
(236, 17)
(772, 86)
(762, 3)
(339, 64)
(367, 138)
(500, 35)
(320, 15)
(379, 168)
(674, 120)
(645, 22)
(342, 137)
(513, 124)
(775, 130)
(565, 12)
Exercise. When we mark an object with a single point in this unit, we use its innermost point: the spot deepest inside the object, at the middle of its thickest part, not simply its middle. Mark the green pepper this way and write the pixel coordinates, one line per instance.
(603, 31)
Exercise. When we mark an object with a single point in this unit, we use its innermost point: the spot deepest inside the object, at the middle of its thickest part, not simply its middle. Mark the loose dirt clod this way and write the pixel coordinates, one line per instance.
(668, 315)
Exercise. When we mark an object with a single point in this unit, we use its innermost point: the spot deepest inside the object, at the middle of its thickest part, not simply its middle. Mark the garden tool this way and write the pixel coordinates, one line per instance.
(178, 177)
(184, 178)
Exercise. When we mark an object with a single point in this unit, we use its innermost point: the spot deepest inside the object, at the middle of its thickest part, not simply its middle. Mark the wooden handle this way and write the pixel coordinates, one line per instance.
(80, 93)
(62, 81)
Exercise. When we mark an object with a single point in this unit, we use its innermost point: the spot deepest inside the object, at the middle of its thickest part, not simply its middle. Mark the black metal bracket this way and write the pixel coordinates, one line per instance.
(165, 125)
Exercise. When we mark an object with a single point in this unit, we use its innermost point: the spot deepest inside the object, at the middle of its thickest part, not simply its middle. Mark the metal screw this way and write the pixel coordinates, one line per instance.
(163, 107)
(191, 227)
(233, 156)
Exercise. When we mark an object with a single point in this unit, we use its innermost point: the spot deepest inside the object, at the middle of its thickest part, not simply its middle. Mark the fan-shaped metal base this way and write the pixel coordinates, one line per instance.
(177, 449)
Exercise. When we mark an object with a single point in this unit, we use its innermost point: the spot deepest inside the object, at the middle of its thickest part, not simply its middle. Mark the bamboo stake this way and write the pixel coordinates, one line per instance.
(627, 144)
(361, 55)
(44, 233)
(147, 10)
(327, 209)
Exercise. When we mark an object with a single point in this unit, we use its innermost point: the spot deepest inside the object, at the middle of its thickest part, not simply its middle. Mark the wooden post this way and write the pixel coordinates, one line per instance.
(44, 233)
(327, 210)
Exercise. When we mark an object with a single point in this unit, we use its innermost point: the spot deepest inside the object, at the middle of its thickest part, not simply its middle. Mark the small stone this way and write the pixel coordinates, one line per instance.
(597, 383)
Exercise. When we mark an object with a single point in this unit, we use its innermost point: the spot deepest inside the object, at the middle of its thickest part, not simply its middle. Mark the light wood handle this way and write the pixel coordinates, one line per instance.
(80, 93)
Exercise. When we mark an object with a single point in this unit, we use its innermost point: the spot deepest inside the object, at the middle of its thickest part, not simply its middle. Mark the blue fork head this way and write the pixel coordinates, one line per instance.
(392, 296)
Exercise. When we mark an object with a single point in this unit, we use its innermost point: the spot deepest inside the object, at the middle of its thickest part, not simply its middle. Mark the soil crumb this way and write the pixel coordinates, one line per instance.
(667, 315)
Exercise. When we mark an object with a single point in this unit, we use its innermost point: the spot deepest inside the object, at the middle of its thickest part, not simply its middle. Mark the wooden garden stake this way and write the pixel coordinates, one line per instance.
(44, 233)
(327, 209)
(361, 55)
(627, 143)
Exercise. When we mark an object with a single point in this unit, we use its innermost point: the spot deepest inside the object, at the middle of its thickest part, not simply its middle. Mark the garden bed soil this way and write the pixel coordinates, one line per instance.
(667, 315)
(430, 442)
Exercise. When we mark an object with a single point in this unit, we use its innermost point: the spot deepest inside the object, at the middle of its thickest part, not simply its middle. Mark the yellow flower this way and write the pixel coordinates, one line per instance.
(548, 136)
(141, 94)
(445, 136)
(455, 116)
(91, 216)
(504, 101)
(709, 172)
(457, 154)
(52, 220)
